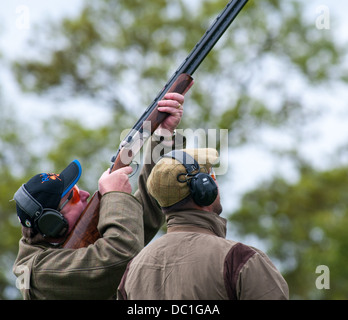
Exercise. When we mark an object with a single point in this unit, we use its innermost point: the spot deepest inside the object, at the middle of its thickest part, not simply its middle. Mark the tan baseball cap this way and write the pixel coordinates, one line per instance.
(163, 184)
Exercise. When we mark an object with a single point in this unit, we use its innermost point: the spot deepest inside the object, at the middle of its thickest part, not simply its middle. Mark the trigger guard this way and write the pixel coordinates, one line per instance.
(135, 166)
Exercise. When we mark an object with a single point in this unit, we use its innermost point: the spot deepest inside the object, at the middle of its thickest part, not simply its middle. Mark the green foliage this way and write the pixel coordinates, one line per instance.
(15, 163)
(304, 226)
(119, 54)
(111, 48)
(89, 146)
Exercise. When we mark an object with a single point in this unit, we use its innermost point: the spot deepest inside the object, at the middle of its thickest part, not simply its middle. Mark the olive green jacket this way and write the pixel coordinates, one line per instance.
(194, 261)
(126, 224)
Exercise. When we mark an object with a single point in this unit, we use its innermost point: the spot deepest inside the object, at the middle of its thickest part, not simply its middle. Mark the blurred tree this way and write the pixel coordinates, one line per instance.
(118, 54)
(304, 225)
(15, 161)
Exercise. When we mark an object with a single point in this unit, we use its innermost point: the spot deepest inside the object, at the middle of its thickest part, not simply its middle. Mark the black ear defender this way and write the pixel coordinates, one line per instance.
(49, 222)
(202, 186)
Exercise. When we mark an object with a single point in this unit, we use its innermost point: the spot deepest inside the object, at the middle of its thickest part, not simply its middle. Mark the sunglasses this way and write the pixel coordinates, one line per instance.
(74, 196)
(212, 173)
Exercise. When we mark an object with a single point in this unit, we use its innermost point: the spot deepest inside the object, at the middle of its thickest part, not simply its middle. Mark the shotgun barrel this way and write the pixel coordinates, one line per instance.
(85, 231)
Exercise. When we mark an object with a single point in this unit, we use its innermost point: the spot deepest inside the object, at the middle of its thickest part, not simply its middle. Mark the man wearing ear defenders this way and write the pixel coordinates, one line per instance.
(194, 261)
(48, 206)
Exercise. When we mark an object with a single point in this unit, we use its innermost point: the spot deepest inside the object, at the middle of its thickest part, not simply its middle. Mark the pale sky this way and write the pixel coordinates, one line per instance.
(19, 17)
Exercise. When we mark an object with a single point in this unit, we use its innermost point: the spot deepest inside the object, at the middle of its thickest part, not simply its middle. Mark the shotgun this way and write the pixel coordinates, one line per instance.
(85, 231)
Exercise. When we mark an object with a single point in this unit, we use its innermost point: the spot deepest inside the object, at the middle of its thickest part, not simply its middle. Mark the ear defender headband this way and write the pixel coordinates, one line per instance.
(202, 186)
(49, 222)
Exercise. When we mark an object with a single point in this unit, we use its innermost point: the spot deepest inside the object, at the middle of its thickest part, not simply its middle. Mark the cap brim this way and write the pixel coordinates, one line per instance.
(71, 175)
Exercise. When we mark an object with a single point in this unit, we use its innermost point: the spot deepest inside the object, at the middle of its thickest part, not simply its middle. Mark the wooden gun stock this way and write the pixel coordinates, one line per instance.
(181, 85)
(85, 231)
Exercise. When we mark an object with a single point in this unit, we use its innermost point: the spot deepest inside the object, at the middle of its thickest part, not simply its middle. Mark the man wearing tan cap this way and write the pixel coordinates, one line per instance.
(194, 261)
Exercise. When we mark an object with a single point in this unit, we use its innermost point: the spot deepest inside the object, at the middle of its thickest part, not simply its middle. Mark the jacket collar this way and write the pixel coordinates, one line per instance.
(193, 220)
